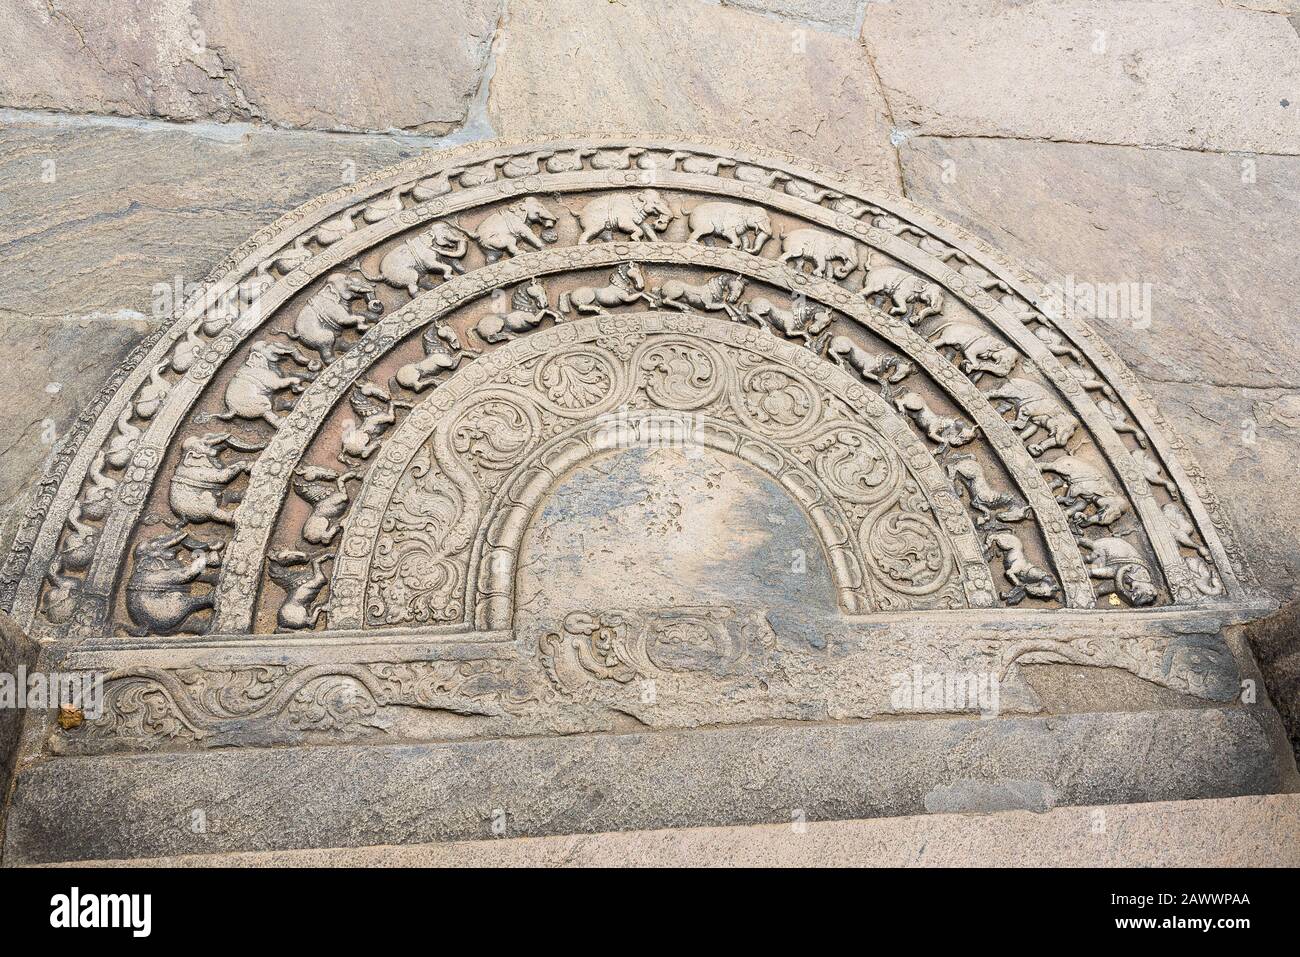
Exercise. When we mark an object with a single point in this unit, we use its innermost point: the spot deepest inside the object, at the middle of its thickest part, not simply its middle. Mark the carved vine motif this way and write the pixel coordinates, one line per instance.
(1070, 397)
(457, 496)
(152, 707)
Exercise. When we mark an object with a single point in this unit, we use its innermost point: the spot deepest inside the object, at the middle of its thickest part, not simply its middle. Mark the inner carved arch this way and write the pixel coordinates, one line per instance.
(1122, 514)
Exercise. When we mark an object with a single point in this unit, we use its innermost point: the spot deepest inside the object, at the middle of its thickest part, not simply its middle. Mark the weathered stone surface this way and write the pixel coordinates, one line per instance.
(46, 383)
(16, 651)
(305, 64)
(838, 14)
(1220, 354)
(1256, 831)
(1276, 644)
(1190, 73)
(352, 796)
(644, 65)
(93, 216)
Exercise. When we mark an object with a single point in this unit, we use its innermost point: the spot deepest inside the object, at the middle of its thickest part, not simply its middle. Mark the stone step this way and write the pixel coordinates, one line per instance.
(1257, 831)
(286, 798)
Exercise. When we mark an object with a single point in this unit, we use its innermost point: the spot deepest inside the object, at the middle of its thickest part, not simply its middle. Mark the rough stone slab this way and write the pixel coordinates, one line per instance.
(46, 383)
(570, 65)
(1188, 73)
(16, 651)
(1220, 356)
(1275, 642)
(351, 796)
(1257, 831)
(320, 65)
(838, 14)
(131, 205)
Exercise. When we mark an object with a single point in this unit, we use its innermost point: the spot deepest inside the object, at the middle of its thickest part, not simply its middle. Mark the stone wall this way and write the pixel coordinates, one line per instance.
(1107, 143)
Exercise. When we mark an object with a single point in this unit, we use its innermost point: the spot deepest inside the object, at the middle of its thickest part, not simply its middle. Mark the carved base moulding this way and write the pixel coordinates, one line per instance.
(598, 434)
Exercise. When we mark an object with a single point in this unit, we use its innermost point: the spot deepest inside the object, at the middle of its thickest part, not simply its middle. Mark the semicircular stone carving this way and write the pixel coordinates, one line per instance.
(348, 430)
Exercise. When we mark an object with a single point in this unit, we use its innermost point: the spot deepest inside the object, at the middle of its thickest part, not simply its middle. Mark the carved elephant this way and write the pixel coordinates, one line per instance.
(732, 222)
(1122, 570)
(903, 289)
(637, 214)
(822, 249)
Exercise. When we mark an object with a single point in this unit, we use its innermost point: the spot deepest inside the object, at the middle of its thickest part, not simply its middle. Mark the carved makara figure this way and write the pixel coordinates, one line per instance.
(374, 412)
(251, 392)
(832, 256)
(442, 353)
(1083, 485)
(1035, 410)
(902, 289)
(198, 486)
(327, 313)
(326, 491)
(302, 580)
(626, 286)
(945, 430)
(501, 232)
(883, 369)
(1025, 578)
(804, 321)
(980, 352)
(730, 221)
(529, 305)
(719, 293)
(160, 595)
(991, 502)
(439, 249)
(1121, 569)
(640, 215)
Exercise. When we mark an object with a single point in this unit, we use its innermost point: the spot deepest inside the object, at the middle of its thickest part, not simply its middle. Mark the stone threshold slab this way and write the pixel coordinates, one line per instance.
(1254, 831)
(273, 799)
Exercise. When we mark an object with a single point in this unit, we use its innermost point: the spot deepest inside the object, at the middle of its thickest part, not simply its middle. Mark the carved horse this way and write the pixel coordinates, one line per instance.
(528, 307)
(984, 497)
(626, 285)
(803, 321)
(1025, 577)
(720, 292)
(442, 353)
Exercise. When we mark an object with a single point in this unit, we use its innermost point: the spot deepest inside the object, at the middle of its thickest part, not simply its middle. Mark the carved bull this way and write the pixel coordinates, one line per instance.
(732, 222)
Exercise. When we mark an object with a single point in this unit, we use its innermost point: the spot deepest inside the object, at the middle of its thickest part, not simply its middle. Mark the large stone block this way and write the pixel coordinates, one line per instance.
(94, 215)
(57, 371)
(307, 64)
(1255, 831)
(1201, 232)
(17, 651)
(695, 68)
(1190, 73)
(353, 796)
